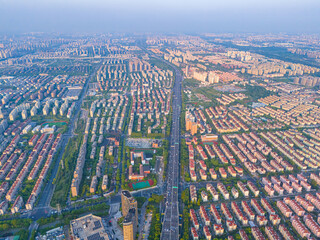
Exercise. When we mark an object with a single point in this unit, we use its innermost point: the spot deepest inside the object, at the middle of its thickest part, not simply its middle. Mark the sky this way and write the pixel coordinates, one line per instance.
(160, 16)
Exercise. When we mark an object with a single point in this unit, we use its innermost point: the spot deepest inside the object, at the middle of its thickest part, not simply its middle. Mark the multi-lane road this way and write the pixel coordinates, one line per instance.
(170, 227)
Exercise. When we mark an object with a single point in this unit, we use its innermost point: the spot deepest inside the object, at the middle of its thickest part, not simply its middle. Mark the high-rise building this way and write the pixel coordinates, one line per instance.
(213, 78)
(200, 76)
(191, 125)
(128, 202)
(194, 128)
(130, 225)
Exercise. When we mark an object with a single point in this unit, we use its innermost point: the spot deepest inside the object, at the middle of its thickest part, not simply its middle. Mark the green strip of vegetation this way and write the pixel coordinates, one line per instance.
(155, 228)
(64, 175)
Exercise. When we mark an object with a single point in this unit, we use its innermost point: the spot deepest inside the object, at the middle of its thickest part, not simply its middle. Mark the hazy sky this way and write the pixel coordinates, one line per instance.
(101, 16)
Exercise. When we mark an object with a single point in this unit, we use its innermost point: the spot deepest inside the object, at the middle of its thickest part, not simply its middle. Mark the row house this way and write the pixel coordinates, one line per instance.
(218, 229)
(204, 215)
(231, 171)
(243, 189)
(3, 188)
(277, 166)
(41, 157)
(226, 211)
(257, 234)
(239, 213)
(22, 174)
(213, 174)
(207, 232)
(312, 225)
(239, 170)
(212, 191)
(275, 180)
(278, 189)
(219, 153)
(253, 188)
(299, 227)
(287, 187)
(215, 213)
(203, 165)
(234, 192)
(250, 166)
(274, 219)
(268, 167)
(305, 185)
(193, 176)
(223, 190)
(294, 206)
(192, 165)
(18, 203)
(314, 200)
(223, 172)
(261, 220)
(204, 196)
(315, 177)
(301, 177)
(203, 155)
(257, 207)
(285, 210)
(228, 153)
(33, 140)
(304, 203)
(3, 207)
(266, 181)
(296, 187)
(285, 232)
(194, 233)
(231, 225)
(271, 233)
(267, 206)
(203, 174)
(284, 179)
(243, 234)
(194, 218)
(193, 193)
(248, 210)
(293, 178)
(209, 151)
(269, 190)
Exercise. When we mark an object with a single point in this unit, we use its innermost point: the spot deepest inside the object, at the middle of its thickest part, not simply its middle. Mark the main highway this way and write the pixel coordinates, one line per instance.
(170, 227)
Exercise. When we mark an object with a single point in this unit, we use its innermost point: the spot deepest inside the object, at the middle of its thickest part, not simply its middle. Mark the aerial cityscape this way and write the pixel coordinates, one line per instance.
(135, 133)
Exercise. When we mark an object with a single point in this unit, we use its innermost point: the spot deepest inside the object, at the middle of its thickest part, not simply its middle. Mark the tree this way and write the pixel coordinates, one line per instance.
(185, 196)
(156, 198)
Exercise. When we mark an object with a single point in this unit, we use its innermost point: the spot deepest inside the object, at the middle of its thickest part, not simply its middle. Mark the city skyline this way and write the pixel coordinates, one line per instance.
(159, 120)
(159, 16)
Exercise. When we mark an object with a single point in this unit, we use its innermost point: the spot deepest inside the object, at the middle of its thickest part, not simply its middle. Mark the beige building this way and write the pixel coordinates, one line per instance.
(128, 202)
(130, 213)
(130, 225)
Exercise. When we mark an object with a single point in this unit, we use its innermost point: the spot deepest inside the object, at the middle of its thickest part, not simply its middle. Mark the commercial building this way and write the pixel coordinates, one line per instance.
(128, 202)
(88, 227)
(130, 225)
